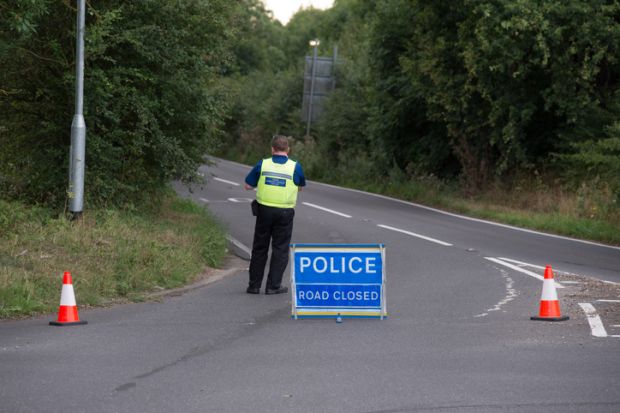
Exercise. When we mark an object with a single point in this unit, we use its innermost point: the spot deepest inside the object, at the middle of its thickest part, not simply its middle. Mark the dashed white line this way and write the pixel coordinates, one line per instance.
(226, 182)
(596, 325)
(331, 211)
(413, 234)
(205, 200)
(608, 301)
(524, 271)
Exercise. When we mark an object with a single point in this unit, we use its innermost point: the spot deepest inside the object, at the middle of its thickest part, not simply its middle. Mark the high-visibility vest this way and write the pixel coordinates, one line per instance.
(275, 185)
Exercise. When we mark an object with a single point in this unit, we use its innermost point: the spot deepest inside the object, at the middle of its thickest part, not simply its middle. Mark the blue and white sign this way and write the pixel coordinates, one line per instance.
(331, 280)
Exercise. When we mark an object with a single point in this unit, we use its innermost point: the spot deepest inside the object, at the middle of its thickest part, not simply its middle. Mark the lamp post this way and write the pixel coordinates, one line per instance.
(314, 43)
(78, 126)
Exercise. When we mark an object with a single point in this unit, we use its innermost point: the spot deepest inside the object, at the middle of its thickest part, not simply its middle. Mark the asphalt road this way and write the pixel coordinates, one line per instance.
(458, 337)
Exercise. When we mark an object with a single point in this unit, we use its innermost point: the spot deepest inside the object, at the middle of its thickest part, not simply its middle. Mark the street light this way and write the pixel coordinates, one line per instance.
(78, 126)
(314, 43)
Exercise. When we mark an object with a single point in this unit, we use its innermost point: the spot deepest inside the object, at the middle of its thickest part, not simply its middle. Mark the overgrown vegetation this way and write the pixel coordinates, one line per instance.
(110, 253)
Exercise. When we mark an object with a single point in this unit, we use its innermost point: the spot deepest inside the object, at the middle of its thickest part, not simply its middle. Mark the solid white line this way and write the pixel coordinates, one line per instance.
(205, 200)
(239, 244)
(326, 209)
(596, 325)
(226, 182)
(524, 271)
(413, 234)
(608, 301)
(540, 268)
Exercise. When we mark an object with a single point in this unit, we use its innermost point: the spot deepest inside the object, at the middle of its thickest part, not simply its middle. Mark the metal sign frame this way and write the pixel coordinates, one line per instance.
(331, 311)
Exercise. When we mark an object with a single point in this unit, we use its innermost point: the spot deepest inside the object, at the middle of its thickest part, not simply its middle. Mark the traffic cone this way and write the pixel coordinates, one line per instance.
(68, 312)
(549, 303)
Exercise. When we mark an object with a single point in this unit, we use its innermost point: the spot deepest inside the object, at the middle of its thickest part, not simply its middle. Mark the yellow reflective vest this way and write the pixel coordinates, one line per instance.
(275, 185)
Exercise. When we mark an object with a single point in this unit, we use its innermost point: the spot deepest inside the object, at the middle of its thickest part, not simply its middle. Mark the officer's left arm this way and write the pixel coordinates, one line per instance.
(298, 177)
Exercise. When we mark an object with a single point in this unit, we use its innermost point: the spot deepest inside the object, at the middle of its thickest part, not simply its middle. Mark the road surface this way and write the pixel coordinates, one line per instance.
(458, 338)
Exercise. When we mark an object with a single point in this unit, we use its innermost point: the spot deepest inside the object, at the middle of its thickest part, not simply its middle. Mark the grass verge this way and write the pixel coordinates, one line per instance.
(112, 254)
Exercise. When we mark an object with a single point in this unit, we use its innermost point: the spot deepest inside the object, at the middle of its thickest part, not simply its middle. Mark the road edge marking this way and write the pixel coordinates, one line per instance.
(239, 244)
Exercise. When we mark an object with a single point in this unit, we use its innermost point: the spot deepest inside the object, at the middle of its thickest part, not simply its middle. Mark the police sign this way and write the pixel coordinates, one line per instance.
(331, 280)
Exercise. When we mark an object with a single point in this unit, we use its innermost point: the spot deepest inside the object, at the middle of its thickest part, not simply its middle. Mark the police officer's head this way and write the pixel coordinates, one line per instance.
(279, 143)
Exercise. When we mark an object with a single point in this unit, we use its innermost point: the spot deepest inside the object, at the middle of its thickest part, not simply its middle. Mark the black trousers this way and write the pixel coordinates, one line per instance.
(275, 226)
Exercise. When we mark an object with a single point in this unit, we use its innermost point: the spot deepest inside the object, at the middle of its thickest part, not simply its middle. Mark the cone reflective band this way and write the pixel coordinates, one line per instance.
(67, 312)
(549, 303)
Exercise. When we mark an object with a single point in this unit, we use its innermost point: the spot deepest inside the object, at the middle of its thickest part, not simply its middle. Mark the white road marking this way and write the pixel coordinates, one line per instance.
(205, 200)
(540, 267)
(413, 234)
(608, 301)
(240, 200)
(326, 209)
(511, 294)
(596, 325)
(524, 271)
(239, 244)
(226, 182)
(610, 282)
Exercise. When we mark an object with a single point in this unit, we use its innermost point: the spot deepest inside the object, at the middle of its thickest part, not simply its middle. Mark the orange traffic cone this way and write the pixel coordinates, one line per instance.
(67, 313)
(549, 303)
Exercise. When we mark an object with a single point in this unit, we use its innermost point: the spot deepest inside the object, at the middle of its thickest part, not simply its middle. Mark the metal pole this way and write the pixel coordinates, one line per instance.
(78, 126)
(312, 88)
(335, 59)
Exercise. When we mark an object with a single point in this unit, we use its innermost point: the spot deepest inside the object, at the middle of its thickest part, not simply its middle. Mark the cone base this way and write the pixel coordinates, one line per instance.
(561, 318)
(70, 323)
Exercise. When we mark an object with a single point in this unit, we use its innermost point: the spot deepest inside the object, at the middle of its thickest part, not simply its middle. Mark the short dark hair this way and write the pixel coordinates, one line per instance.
(279, 143)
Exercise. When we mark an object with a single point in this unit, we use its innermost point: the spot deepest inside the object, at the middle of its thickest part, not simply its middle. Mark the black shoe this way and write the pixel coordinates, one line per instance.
(252, 290)
(280, 290)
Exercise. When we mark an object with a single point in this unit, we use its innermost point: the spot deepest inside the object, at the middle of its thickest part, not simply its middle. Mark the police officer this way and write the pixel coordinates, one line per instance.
(277, 180)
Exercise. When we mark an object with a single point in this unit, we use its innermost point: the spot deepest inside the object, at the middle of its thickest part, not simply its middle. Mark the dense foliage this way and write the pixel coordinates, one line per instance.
(152, 105)
(483, 91)
(477, 92)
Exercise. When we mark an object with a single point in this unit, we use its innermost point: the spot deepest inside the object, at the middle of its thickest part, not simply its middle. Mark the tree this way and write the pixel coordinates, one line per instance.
(152, 105)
